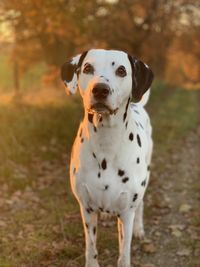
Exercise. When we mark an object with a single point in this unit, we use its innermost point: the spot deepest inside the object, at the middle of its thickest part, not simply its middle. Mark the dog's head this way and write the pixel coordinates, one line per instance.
(106, 78)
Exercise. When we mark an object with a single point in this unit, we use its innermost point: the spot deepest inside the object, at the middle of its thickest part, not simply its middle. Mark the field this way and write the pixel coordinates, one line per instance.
(39, 218)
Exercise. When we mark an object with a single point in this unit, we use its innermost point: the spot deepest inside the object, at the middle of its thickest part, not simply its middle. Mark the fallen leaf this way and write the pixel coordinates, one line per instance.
(157, 233)
(184, 252)
(177, 226)
(107, 252)
(149, 248)
(2, 224)
(146, 241)
(176, 229)
(147, 265)
(184, 208)
(176, 233)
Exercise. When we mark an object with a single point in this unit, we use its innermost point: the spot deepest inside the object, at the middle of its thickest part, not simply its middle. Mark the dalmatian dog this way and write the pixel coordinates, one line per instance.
(111, 155)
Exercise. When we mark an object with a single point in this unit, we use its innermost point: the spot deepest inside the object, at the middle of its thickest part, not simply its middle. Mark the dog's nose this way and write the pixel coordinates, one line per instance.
(100, 91)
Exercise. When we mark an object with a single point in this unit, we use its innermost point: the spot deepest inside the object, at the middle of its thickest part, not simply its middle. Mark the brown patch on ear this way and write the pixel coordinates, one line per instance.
(68, 69)
(142, 77)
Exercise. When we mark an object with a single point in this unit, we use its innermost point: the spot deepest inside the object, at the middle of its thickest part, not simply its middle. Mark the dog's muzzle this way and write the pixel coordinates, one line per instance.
(100, 93)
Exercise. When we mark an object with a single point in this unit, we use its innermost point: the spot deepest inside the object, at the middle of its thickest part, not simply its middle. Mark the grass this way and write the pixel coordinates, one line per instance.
(40, 221)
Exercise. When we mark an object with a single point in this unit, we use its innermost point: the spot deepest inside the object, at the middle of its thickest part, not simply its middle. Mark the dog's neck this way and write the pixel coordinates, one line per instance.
(118, 118)
(106, 130)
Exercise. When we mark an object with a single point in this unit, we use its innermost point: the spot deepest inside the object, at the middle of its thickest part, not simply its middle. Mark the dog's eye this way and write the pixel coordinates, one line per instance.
(88, 69)
(121, 71)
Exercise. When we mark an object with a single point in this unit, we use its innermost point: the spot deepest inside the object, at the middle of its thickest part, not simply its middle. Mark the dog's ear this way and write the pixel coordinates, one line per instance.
(70, 71)
(142, 77)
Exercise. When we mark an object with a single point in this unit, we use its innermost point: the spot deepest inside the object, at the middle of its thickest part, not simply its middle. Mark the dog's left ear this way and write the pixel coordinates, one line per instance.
(142, 77)
(70, 71)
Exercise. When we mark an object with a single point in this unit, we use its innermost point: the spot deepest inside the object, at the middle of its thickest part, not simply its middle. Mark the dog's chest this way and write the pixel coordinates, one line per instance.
(111, 170)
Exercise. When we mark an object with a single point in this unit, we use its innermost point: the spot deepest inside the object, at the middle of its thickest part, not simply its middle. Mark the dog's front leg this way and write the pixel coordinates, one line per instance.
(125, 226)
(138, 227)
(89, 218)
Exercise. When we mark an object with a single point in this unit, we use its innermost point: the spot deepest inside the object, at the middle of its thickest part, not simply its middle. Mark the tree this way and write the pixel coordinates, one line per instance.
(57, 29)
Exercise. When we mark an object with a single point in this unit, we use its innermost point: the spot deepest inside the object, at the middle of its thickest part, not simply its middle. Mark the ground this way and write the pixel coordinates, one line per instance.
(39, 218)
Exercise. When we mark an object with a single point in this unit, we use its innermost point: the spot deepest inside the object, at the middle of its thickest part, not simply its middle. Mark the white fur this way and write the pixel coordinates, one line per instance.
(111, 141)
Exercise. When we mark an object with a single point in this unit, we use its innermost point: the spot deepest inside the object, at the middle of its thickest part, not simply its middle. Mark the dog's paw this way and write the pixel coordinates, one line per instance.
(138, 232)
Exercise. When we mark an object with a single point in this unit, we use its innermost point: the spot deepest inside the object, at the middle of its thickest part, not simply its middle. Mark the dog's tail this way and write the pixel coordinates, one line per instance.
(145, 98)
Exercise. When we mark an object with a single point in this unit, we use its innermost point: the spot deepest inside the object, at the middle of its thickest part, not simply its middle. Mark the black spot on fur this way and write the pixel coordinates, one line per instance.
(95, 256)
(86, 225)
(90, 117)
(101, 209)
(138, 140)
(131, 136)
(124, 180)
(101, 119)
(113, 63)
(136, 111)
(135, 197)
(125, 114)
(99, 174)
(80, 62)
(82, 140)
(107, 211)
(121, 172)
(89, 210)
(118, 215)
(80, 132)
(124, 117)
(95, 129)
(94, 230)
(106, 187)
(138, 160)
(141, 125)
(143, 183)
(104, 164)
(148, 168)
(74, 170)
(126, 124)
(94, 155)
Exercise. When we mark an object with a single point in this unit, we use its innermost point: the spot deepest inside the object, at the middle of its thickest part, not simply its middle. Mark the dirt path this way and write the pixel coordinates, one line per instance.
(172, 210)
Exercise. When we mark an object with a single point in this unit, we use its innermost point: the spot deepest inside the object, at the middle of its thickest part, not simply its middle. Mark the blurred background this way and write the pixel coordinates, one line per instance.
(39, 218)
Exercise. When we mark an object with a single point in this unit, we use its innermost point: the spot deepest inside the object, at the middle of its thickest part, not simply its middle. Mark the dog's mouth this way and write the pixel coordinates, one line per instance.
(102, 109)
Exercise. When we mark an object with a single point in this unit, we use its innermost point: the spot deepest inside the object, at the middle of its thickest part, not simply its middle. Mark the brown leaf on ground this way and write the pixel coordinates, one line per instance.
(176, 233)
(2, 223)
(149, 248)
(184, 208)
(176, 229)
(184, 252)
(147, 265)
